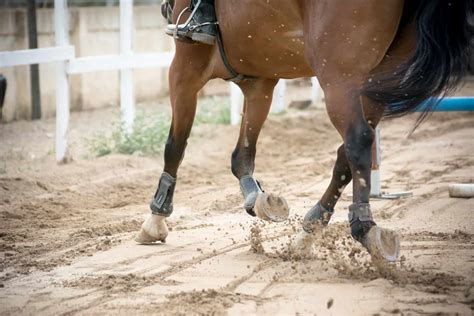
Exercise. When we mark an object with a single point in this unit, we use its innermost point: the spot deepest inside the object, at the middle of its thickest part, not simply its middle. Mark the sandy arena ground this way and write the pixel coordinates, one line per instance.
(66, 230)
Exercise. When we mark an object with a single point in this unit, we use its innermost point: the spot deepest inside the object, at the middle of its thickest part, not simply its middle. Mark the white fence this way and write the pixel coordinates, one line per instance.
(63, 54)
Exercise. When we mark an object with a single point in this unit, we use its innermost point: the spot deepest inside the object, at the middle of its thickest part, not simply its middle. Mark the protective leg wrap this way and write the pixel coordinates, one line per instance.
(317, 215)
(250, 189)
(360, 219)
(162, 203)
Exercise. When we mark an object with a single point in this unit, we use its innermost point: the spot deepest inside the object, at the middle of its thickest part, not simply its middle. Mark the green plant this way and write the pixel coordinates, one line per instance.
(147, 137)
(150, 131)
(213, 110)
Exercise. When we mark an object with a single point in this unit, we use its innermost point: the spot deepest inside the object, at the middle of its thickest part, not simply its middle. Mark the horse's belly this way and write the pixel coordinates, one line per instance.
(264, 38)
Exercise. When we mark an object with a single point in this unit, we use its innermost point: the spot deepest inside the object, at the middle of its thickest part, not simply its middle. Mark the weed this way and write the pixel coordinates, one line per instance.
(150, 131)
(146, 138)
(213, 110)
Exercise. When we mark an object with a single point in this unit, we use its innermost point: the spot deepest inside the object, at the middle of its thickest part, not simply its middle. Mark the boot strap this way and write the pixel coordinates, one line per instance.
(361, 212)
(164, 191)
(248, 184)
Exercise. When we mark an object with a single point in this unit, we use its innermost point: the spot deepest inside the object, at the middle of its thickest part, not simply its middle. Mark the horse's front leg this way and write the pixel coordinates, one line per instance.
(184, 86)
(258, 98)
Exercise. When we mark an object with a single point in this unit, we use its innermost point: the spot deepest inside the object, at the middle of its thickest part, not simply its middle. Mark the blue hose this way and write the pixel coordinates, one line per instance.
(451, 104)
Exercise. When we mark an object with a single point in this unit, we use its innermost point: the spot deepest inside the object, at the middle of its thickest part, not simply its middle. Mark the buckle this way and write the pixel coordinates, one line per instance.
(361, 212)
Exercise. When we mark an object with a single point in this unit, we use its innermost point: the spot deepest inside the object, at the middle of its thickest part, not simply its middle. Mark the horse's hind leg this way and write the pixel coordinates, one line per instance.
(356, 126)
(184, 86)
(343, 56)
(341, 176)
(258, 98)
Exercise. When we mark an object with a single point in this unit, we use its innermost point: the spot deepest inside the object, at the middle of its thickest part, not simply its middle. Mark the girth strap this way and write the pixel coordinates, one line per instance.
(236, 77)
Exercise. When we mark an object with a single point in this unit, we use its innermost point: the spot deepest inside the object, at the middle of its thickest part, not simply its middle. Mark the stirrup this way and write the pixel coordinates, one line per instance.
(192, 31)
(190, 35)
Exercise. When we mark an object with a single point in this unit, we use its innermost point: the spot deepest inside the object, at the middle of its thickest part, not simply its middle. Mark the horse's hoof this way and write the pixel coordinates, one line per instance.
(303, 243)
(272, 208)
(382, 243)
(316, 218)
(154, 229)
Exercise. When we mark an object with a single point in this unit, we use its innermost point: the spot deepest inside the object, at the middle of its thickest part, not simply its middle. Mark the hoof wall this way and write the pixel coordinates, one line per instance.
(153, 230)
(143, 238)
(271, 207)
(382, 243)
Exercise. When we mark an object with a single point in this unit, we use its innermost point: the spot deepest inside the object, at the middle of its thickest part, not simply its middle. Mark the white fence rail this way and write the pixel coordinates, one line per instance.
(66, 63)
(36, 56)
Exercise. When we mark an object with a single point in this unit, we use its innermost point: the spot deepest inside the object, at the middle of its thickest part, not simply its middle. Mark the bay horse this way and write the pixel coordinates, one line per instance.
(372, 58)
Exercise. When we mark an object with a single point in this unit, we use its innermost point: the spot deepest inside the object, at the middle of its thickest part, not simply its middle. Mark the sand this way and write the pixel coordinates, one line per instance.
(66, 238)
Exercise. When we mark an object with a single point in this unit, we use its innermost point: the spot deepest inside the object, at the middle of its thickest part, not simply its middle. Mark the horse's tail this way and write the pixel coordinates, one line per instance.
(439, 61)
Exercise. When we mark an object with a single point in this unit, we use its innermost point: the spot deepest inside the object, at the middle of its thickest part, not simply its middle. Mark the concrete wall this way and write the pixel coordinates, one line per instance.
(93, 31)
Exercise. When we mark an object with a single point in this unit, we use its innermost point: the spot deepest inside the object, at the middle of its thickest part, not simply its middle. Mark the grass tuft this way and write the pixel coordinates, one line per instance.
(151, 131)
(147, 137)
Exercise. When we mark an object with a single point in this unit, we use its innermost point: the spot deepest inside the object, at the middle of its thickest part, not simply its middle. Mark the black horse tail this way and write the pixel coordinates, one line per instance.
(438, 63)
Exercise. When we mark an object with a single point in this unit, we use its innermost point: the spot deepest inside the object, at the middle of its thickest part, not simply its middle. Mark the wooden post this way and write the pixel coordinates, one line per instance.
(375, 185)
(61, 29)
(316, 92)
(236, 103)
(127, 99)
(34, 69)
(279, 104)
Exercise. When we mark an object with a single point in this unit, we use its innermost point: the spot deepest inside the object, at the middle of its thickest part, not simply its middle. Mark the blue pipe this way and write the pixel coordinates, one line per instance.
(451, 104)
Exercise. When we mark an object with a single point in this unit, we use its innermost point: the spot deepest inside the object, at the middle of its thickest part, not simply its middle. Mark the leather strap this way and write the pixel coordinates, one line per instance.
(248, 185)
(162, 203)
(361, 212)
(236, 77)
